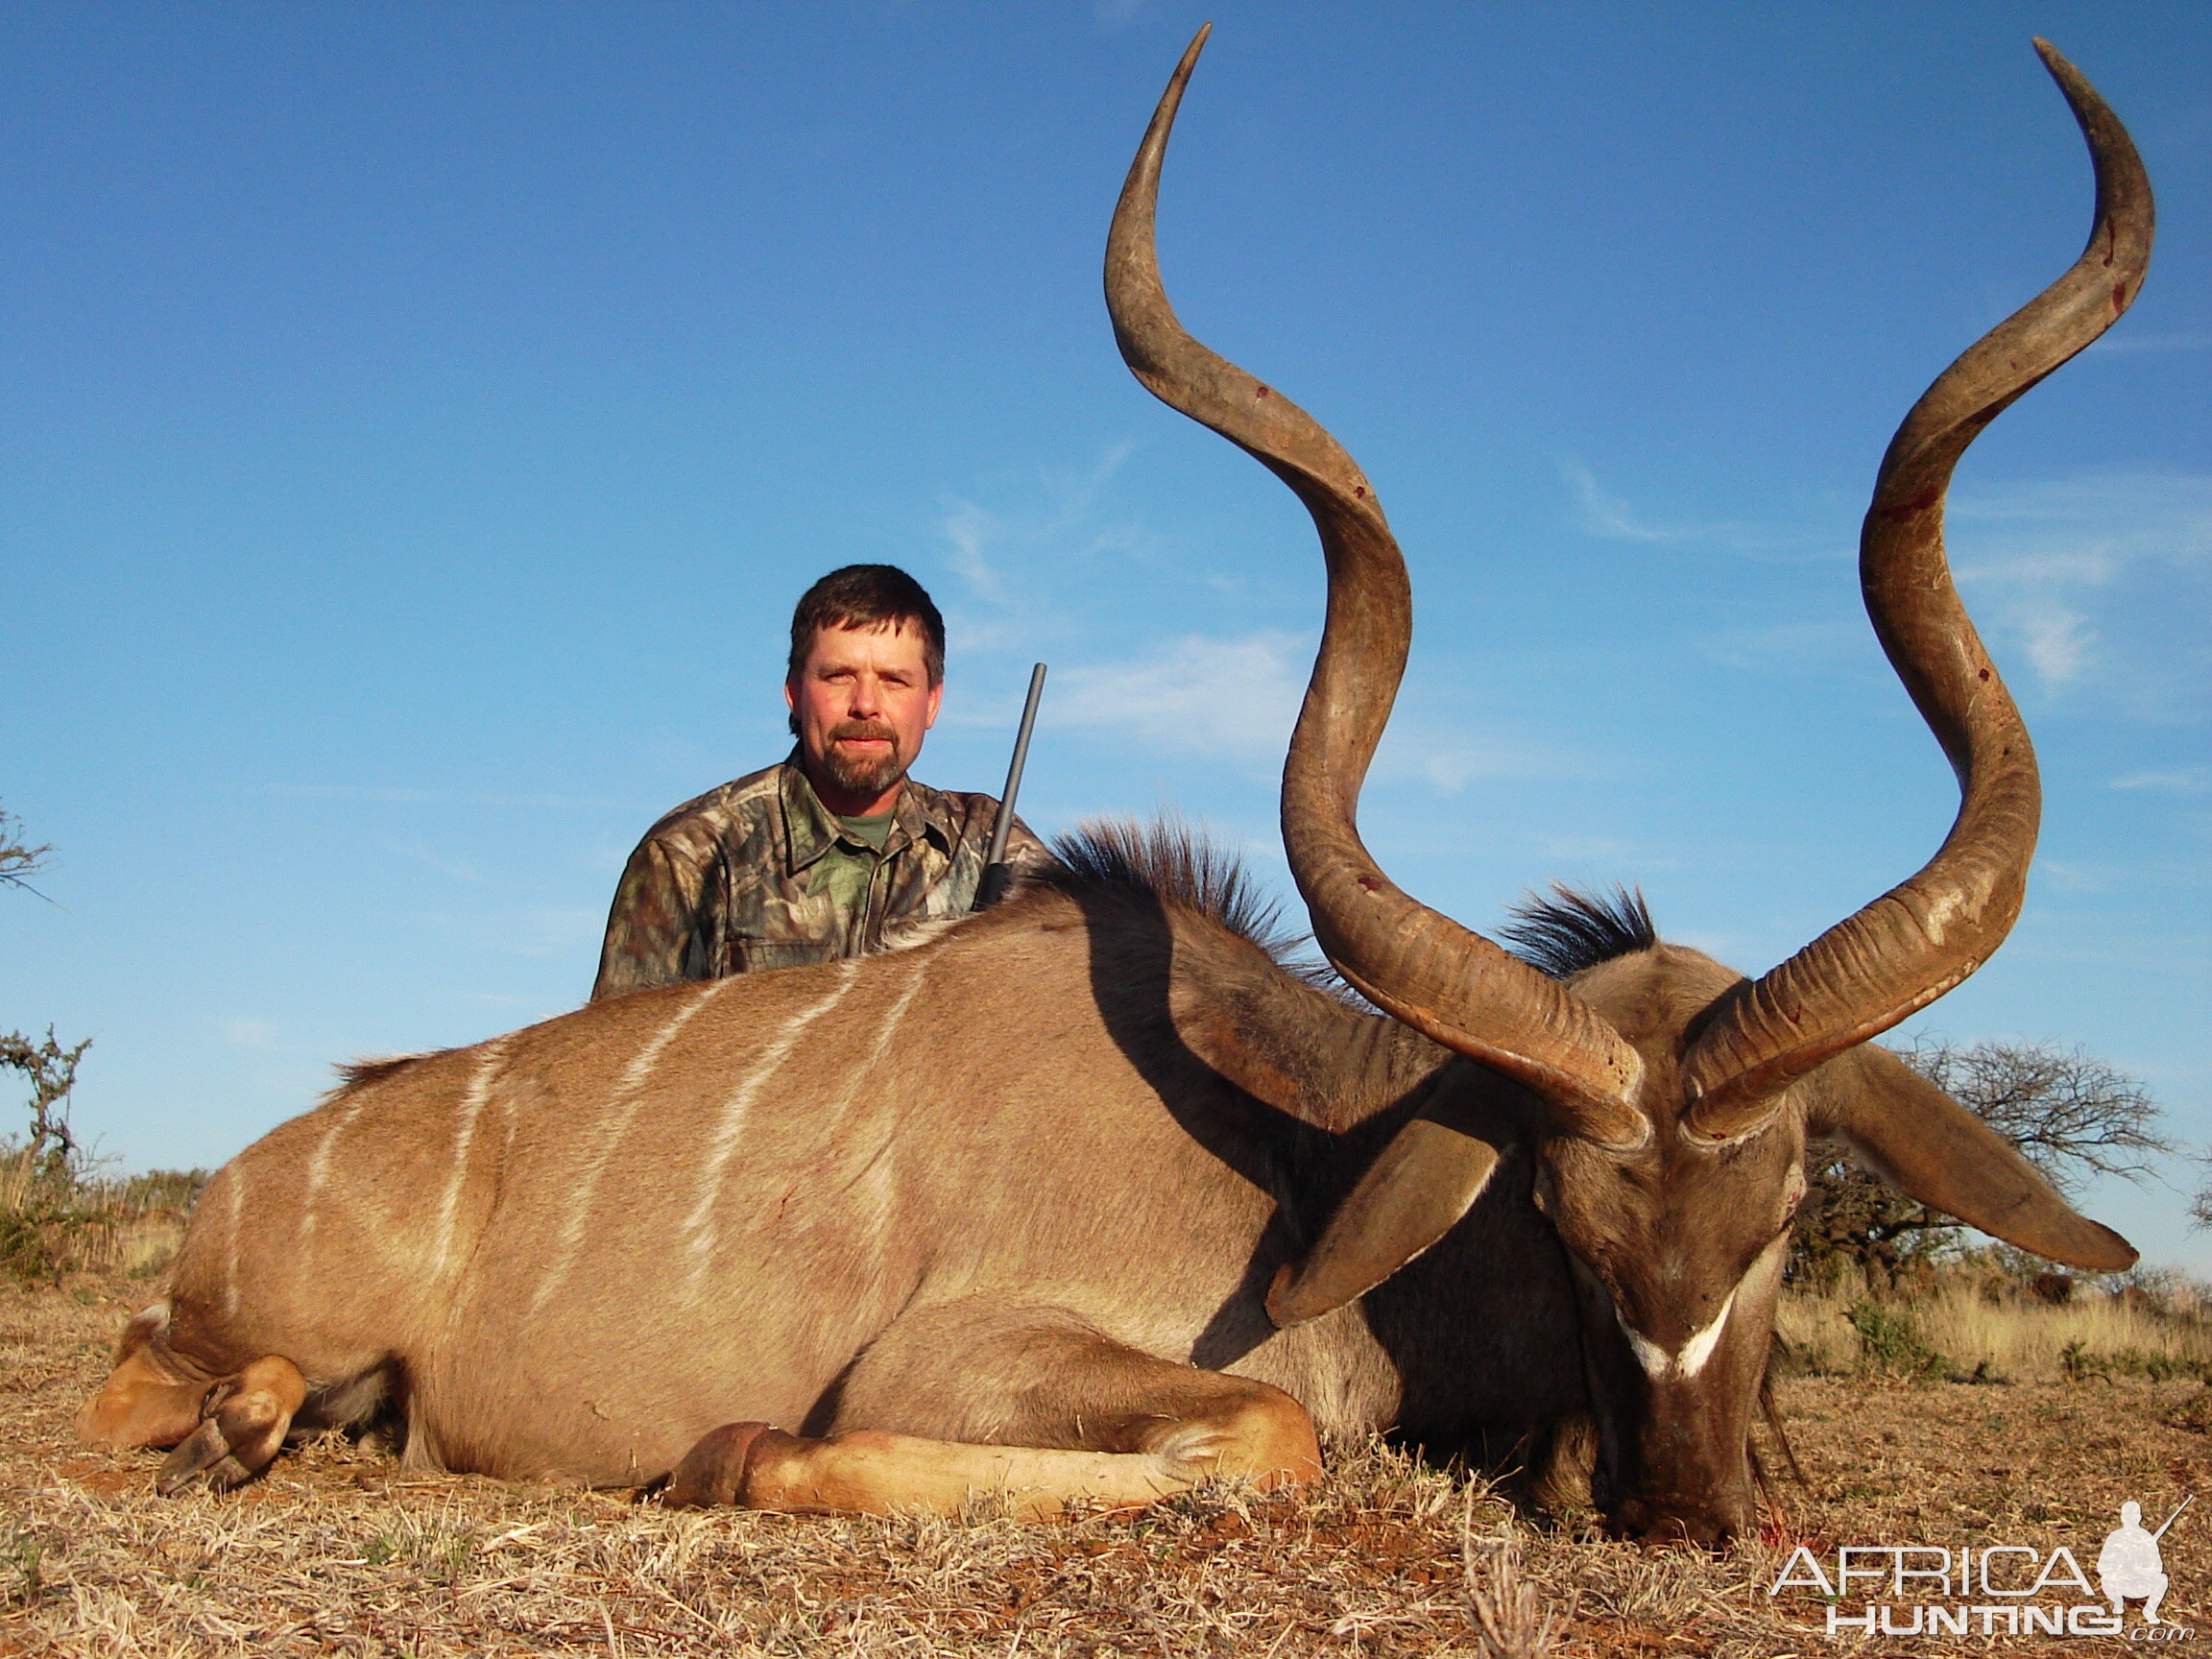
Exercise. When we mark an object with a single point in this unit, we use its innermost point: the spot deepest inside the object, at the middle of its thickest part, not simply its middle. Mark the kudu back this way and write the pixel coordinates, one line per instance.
(1089, 1198)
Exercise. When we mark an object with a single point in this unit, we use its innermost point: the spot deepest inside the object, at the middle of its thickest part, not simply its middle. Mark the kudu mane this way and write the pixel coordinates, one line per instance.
(1167, 862)
(1571, 930)
(355, 1074)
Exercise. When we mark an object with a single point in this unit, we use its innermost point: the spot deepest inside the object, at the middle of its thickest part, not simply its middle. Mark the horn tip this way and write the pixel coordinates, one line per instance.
(1192, 51)
(2061, 67)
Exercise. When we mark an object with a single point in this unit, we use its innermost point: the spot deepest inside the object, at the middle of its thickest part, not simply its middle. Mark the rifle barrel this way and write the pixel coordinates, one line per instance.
(997, 877)
(2187, 1500)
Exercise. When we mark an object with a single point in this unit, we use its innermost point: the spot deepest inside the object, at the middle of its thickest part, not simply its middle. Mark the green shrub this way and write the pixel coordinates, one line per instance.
(1891, 1342)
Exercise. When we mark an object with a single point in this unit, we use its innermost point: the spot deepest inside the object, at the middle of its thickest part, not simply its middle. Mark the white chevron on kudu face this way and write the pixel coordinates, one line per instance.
(1698, 1348)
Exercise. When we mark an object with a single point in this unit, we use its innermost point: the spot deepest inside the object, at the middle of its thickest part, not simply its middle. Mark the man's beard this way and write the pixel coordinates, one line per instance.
(857, 774)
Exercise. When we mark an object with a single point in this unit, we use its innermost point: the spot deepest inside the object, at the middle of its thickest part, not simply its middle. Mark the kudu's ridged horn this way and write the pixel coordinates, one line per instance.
(1452, 984)
(1924, 937)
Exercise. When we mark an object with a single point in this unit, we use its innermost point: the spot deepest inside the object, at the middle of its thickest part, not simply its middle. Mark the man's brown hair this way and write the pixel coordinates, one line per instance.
(867, 596)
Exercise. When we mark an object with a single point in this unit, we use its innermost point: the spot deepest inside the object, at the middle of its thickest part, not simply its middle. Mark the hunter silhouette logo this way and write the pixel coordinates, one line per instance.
(1993, 1590)
(2129, 1565)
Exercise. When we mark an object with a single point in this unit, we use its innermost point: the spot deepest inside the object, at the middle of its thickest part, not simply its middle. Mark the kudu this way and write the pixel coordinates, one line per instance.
(1087, 1198)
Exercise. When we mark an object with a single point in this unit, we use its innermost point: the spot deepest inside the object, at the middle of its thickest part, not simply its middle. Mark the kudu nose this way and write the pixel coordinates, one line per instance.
(1659, 1525)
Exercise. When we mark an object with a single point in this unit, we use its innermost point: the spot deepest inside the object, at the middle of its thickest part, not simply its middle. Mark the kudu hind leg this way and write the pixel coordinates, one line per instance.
(243, 1421)
(1028, 1407)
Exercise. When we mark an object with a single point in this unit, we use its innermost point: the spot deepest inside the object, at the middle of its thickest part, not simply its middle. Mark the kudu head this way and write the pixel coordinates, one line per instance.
(1675, 1097)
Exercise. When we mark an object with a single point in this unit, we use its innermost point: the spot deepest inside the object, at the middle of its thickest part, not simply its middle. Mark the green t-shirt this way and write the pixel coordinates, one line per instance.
(846, 869)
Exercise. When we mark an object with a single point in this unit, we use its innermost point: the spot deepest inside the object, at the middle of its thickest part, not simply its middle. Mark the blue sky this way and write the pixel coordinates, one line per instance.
(419, 420)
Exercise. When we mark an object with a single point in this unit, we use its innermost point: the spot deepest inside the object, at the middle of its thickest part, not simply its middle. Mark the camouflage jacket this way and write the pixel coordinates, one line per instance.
(722, 885)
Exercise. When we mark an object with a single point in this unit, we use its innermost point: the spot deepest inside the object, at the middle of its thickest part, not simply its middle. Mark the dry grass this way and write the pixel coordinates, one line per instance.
(341, 1551)
(2022, 1342)
(129, 1228)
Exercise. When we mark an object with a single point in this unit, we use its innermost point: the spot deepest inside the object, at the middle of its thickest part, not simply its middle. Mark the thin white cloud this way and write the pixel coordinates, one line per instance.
(1589, 849)
(2176, 781)
(1015, 564)
(1605, 514)
(450, 868)
(541, 932)
(2081, 571)
(2102, 517)
(2125, 342)
(2058, 640)
(1599, 512)
(2072, 875)
(1785, 645)
(981, 538)
(2083, 577)
(1447, 756)
(1235, 699)
(250, 1034)
(971, 530)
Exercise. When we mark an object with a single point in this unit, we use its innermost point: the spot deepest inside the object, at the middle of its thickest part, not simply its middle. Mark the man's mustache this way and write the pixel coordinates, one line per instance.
(863, 728)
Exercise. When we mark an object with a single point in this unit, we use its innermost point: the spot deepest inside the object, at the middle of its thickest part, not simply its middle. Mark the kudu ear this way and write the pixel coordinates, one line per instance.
(1427, 1177)
(1906, 1130)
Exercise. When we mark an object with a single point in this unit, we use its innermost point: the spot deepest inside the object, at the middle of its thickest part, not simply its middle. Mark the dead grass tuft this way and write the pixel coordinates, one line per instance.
(1512, 1618)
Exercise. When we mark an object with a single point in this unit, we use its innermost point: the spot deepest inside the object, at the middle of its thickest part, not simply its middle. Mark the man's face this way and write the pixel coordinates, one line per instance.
(862, 700)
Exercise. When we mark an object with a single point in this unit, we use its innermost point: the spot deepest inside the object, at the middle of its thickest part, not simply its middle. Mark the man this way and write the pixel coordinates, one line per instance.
(836, 850)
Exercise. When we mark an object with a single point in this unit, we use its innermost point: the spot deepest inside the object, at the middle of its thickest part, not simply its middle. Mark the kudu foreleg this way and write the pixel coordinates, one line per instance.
(242, 1425)
(1026, 1408)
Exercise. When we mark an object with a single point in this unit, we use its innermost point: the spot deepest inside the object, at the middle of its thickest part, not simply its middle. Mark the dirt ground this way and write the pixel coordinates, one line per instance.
(340, 1550)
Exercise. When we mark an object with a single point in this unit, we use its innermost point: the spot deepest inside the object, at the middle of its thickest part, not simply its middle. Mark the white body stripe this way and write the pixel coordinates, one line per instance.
(471, 1105)
(237, 1212)
(884, 1032)
(318, 1168)
(624, 1102)
(699, 1228)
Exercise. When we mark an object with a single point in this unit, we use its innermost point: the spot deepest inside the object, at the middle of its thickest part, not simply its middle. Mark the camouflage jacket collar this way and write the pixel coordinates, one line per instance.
(809, 830)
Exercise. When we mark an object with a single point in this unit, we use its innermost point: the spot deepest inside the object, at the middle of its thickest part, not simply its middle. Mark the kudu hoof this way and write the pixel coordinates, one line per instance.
(713, 1471)
(242, 1424)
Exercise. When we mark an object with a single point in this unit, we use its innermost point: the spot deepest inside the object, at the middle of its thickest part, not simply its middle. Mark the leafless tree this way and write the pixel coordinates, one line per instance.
(2071, 1115)
(20, 861)
(2201, 1206)
(50, 1069)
